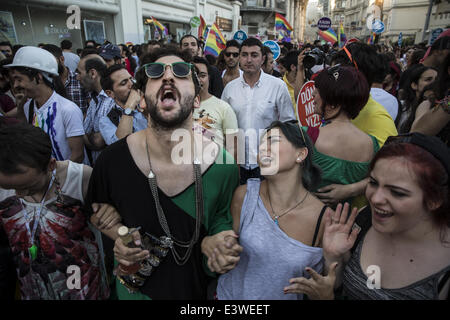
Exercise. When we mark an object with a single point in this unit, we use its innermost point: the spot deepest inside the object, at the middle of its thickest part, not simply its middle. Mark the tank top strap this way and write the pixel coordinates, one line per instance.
(73, 185)
(319, 221)
(250, 201)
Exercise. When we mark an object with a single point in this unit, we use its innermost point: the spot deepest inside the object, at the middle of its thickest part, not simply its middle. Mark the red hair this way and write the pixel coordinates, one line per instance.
(430, 174)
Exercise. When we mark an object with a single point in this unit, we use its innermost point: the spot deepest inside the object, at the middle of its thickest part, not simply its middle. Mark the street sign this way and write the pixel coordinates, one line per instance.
(274, 47)
(194, 22)
(435, 34)
(378, 26)
(305, 106)
(240, 36)
(324, 23)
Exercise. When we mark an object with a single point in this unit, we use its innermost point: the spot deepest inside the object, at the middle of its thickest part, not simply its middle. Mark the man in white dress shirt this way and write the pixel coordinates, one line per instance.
(258, 99)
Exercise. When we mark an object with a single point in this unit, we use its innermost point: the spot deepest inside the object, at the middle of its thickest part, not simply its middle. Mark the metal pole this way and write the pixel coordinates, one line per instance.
(427, 21)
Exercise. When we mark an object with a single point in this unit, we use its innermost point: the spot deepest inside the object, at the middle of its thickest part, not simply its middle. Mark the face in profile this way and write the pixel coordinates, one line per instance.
(277, 154)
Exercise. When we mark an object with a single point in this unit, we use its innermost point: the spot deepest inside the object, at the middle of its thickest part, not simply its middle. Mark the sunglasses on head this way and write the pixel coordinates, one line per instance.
(155, 70)
(296, 124)
(235, 54)
(334, 71)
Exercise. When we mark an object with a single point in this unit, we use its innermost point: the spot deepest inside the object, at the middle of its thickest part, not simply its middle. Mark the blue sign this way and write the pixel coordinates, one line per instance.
(240, 36)
(435, 34)
(378, 26)
(274, 47)
(400, 39)
(324, 23)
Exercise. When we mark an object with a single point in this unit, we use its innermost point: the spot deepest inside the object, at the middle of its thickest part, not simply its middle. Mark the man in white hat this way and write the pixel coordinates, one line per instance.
(34, 71)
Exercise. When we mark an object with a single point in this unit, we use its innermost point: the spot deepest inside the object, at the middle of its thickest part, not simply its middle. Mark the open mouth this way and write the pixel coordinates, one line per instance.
(168, 96)
(265, 160)
(382, 213)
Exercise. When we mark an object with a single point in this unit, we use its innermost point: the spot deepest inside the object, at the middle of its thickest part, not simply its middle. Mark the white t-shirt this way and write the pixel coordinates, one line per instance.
(387, 100)
(216, 118)
(61, 119)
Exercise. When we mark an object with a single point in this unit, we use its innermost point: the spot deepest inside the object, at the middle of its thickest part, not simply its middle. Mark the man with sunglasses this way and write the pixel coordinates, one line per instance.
(231, 56)
(186, 202)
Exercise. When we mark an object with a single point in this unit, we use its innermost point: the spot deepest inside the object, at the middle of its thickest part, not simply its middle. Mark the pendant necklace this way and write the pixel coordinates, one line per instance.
(277, 217)
(32, 249)
(199, 212)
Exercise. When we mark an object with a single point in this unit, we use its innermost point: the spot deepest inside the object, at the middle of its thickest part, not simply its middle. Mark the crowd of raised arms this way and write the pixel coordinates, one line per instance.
(156, 171)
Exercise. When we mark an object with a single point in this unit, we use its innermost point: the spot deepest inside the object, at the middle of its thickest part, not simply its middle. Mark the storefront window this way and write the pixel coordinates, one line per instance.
(34, 24)
(176, 30)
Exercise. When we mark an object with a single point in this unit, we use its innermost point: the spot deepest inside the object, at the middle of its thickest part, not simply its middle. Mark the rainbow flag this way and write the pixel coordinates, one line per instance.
(371, 39)
(201, 28)
(328, 36)
(282, 24)
(161, 28)
(342, 39)
(215, 42)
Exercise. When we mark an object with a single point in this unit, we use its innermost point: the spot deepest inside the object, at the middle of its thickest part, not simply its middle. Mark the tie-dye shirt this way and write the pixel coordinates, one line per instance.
(61, 119)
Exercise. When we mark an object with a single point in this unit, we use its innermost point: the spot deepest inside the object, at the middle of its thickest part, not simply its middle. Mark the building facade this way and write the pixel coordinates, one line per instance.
(31, 22)
(406, 16)
(258, 17)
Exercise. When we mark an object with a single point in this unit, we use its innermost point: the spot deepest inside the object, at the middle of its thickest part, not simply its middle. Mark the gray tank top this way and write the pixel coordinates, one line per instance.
(270, 257)
(355, 287)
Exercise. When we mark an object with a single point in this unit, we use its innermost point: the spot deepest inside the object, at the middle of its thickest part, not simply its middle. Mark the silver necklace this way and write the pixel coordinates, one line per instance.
(199, 211)
(276, 217)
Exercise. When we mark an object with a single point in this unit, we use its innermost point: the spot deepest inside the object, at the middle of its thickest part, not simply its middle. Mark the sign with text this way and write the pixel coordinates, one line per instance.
(274, 47)
(435, 34)
(240, 36)
(324, 23)
(305, 106)
(378, 26)
(194, 22)
(224, 24)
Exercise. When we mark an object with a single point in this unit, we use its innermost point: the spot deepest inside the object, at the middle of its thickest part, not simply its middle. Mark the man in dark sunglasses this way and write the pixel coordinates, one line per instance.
(231, 56)
(142, 176)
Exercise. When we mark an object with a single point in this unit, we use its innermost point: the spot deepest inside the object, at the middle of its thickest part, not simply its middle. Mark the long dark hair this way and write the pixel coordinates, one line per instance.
(411, 102)
(311, 173)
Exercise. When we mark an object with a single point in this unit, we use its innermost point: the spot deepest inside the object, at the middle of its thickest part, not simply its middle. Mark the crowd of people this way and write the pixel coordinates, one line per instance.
(224, 193)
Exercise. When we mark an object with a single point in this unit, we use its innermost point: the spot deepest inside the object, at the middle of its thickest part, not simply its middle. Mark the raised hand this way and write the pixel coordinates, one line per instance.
(318, 287)
(338, 236)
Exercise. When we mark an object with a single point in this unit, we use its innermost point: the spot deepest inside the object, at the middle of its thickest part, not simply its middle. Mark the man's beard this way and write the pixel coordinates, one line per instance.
(158, 121)
(232, 66)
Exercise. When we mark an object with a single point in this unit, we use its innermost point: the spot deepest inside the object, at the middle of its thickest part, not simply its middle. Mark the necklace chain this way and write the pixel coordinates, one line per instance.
(199, 211)
(275, 216)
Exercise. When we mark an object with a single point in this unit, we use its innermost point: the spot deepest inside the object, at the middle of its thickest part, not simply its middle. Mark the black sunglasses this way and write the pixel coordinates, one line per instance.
(155, 70)
(235, 54)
